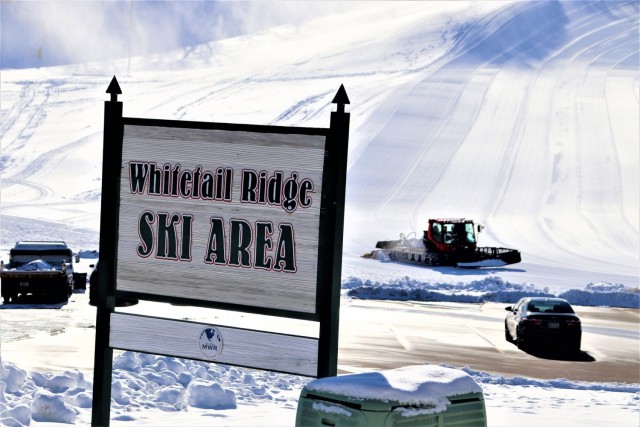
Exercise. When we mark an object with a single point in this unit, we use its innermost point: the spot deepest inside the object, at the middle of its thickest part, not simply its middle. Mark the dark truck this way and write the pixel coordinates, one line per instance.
(42, 269)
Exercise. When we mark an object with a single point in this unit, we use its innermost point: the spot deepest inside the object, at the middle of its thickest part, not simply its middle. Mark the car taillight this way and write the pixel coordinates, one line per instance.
(573, 323)
(536, 322)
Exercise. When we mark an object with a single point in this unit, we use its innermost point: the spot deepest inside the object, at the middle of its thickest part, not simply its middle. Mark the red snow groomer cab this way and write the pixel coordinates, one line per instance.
(446, 241)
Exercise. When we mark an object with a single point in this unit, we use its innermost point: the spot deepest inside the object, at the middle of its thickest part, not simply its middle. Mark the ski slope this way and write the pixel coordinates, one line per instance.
(520, 115)
(538, 143)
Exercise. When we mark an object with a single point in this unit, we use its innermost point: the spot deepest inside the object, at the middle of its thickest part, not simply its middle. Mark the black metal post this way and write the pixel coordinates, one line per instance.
(330, 309)
(111, 159)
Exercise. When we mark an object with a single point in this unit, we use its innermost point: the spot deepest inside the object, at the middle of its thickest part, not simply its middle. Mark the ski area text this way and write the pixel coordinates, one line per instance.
(169, 236)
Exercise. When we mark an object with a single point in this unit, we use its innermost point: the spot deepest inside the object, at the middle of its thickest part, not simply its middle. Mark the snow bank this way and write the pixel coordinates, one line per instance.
(17, 416)
(490, 289)
(560, 383)
(12, 378)
(210, 395)
(88, 253)
(604, 294)
(202, 390)
(140, 382)
(52, 408)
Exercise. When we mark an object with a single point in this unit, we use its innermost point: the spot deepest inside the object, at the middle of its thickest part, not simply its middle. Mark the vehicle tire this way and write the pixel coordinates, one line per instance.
(60, 295)
(507, 335)
(575, 347)
(520, 342)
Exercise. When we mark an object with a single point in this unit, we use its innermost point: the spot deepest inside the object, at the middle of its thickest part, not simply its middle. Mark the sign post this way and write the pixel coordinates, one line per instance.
(238, 217)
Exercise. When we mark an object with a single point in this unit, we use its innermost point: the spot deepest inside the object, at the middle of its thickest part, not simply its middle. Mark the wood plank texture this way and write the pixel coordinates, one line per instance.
(299, 156)
(241, 347)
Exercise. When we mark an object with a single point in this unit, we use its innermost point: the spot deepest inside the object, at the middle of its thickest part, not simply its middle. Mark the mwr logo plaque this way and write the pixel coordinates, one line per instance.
(210, 343)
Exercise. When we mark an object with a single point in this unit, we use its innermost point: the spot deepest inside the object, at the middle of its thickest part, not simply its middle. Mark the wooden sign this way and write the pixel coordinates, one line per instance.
(229, 216)
(236, 217)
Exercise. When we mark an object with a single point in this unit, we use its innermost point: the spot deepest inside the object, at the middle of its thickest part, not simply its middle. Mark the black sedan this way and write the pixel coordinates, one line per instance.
(537, 323)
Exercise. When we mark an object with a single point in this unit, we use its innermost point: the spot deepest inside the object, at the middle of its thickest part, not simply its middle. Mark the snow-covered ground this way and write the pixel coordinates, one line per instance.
(159, 391)
(521, 115)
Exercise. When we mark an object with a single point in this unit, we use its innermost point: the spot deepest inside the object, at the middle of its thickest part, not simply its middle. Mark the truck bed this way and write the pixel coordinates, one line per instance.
(52, 285)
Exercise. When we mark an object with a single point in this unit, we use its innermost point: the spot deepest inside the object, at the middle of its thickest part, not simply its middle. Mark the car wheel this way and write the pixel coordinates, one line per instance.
(60, 295)
(507, 335)
(575, 347)
(520, 342)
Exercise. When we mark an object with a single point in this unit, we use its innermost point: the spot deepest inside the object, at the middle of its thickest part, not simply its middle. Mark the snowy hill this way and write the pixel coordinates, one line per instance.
(522, 116)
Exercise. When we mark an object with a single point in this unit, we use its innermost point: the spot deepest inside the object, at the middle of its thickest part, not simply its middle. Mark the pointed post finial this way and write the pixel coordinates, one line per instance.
(341, 99)
(114, 89)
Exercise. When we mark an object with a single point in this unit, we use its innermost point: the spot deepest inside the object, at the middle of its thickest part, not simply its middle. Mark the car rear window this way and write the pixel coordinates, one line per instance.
(549, 307)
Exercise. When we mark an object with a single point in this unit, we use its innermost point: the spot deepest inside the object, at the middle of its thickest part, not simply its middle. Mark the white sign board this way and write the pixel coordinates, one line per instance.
(223, 216)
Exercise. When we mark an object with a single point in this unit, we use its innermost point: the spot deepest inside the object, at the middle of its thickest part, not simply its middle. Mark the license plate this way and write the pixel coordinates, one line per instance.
(24, 284)
(553, 325)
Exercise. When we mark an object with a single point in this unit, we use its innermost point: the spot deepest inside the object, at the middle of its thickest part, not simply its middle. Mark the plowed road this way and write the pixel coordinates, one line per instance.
(373, 335)
(378, 334)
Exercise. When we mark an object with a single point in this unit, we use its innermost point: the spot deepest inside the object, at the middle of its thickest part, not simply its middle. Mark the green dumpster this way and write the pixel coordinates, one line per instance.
(424, 395)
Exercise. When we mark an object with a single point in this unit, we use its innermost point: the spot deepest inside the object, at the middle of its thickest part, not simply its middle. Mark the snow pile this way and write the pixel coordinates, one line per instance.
(140, 381)
(423, 385)
(175, 384)
(490, 289)
(12, 379)
(210, 395)
(146, 387)
(17, 416)
(35, 265)
(51, 407)
(604, 294)
(88, 254)
(41, 397)
(485, 378)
